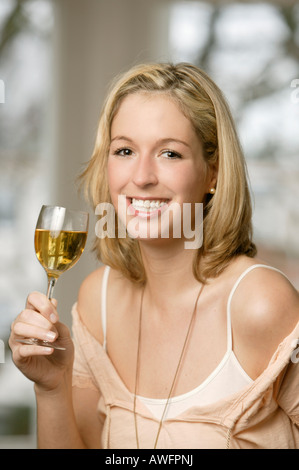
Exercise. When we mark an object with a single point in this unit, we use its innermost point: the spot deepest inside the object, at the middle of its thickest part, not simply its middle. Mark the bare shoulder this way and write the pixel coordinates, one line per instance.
(90, 298)
(266, 298)
(89, 302)
(264, 310)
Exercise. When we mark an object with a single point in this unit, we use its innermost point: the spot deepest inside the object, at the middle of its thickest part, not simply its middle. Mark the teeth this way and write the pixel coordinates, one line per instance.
(146, 204)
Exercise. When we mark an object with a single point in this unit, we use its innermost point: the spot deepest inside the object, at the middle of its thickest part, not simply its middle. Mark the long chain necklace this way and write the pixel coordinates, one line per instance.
(175, 375)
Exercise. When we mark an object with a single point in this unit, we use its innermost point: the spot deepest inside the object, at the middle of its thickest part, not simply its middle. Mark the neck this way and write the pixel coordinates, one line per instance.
(169, 276)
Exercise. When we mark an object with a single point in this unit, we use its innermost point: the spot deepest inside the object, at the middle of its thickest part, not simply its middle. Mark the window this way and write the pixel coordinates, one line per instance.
(25, 60)
(251, 50)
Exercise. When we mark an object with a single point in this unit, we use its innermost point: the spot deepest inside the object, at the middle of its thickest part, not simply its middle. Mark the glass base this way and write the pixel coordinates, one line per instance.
(39, 342)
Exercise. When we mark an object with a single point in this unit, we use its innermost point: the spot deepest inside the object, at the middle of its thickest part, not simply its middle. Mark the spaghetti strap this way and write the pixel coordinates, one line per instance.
(228, 316)
(104, 303)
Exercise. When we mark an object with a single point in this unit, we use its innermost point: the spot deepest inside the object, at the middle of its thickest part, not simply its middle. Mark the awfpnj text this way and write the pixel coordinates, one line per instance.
(167, 459)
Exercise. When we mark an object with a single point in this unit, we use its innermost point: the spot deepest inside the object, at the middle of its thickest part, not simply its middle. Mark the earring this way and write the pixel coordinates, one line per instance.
(212, 191)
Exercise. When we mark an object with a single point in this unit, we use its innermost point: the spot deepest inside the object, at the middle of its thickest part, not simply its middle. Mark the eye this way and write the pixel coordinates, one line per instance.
(123, 152)
(171, 154)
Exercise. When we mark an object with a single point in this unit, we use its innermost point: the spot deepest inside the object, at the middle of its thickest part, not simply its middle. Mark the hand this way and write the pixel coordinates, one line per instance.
(43, 365)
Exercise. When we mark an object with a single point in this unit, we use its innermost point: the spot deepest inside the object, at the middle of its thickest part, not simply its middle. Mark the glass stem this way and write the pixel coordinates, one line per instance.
(51, 285)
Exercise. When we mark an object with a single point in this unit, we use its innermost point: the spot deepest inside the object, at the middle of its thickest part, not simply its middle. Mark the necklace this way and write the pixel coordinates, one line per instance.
(176, 372)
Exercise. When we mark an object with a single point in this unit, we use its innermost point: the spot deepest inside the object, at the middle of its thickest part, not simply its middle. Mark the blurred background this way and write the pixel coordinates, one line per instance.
(57, 58)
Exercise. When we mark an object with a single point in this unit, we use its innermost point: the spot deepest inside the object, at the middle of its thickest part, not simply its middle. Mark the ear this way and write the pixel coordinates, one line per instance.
(212, 176)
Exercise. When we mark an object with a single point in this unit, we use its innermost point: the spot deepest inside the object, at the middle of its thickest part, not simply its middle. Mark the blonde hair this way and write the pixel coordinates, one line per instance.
(227, 214)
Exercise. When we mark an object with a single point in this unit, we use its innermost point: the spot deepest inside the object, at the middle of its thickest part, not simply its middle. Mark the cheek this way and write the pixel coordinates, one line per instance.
(192, 185)
(109, 175)
(115, 177)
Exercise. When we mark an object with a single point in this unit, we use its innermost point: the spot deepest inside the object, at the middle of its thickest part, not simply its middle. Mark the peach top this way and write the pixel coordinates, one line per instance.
(263, 414)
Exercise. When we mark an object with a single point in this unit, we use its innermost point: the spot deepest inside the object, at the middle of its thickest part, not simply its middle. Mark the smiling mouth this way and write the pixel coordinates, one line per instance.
(147, 206)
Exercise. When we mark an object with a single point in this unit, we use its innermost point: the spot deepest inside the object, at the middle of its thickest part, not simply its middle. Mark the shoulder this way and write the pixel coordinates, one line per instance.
(89, 302)
(266, 297)
(264, 310)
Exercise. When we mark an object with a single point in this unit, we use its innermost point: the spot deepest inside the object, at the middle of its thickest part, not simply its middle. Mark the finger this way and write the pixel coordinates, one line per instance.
(33, 317)
(22, 352)
(25, 351)
(43, 305)
(32, 331)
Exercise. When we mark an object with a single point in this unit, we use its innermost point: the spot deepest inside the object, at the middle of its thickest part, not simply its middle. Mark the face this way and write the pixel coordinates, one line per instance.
(155, 160)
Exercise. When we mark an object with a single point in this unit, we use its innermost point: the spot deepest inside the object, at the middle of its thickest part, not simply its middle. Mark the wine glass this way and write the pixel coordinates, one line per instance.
(60, 237)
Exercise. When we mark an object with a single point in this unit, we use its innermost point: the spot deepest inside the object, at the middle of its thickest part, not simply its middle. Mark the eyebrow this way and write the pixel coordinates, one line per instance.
(166, 140)
(121, 137)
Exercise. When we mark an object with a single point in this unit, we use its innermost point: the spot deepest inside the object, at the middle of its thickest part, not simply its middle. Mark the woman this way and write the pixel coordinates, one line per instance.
(175, 346)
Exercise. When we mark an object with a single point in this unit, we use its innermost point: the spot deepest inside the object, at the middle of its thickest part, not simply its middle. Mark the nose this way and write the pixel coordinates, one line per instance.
(145, 172)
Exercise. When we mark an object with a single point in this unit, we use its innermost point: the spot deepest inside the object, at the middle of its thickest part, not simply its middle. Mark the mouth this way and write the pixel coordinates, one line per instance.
(147, 206)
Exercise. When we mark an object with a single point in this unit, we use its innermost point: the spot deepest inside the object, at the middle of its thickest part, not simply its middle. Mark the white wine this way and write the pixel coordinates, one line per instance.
(60, 237)
(58, 251)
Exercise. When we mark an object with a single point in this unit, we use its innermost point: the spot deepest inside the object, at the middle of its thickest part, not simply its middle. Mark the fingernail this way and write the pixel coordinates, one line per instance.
(53, 318)
(50, 335)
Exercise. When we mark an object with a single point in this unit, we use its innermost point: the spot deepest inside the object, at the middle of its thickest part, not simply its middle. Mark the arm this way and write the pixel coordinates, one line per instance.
(75, 417)
(85, 406)
(264, 309)
(56, 421)
(85, 392)
(66, 416)
(49, 369)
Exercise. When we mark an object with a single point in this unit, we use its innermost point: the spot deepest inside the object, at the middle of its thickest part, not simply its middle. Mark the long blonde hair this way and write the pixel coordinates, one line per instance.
(227, 230)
